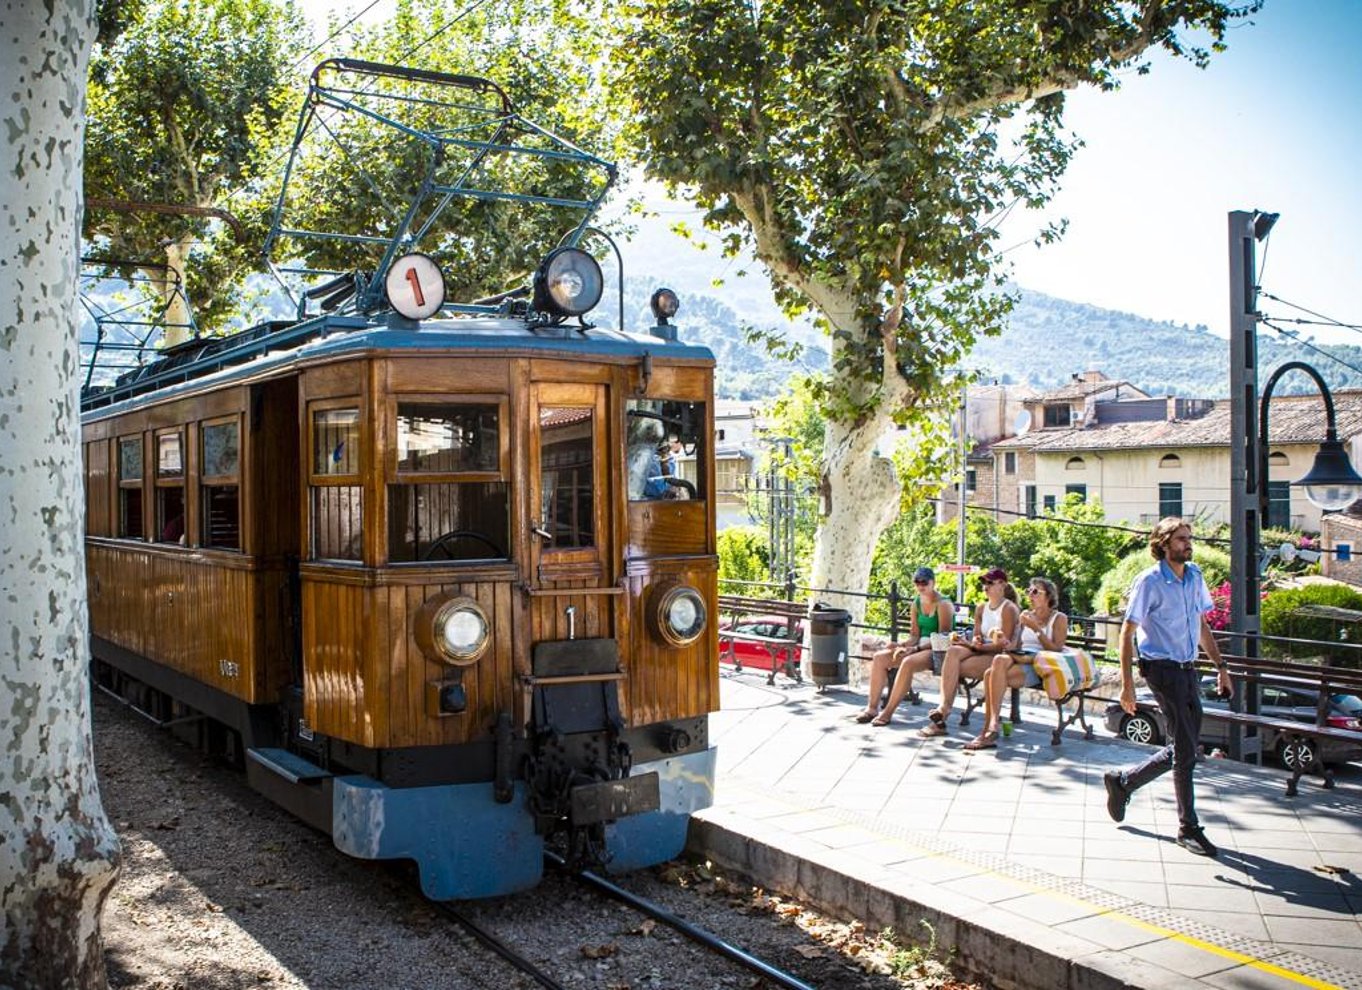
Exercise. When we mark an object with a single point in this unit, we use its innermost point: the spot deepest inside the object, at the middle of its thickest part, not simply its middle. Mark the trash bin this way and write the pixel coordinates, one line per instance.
(828, 644)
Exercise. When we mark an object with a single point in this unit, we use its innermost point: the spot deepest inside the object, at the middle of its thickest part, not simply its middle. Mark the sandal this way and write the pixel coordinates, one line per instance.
(931, 729)
(865, 717)
(884, 719)
(984, 740)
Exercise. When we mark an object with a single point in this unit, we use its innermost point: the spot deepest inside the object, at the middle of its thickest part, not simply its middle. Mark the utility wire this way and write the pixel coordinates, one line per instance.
(1293, 335)
(334, 35)
(1330, 320)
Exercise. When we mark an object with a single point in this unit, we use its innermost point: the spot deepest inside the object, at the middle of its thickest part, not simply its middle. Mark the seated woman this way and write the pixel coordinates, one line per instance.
(996, 624)
(1044, 627)
(930, 613)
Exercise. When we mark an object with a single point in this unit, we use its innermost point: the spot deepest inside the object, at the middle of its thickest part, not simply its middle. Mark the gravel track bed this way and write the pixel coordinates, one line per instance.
(221, 889)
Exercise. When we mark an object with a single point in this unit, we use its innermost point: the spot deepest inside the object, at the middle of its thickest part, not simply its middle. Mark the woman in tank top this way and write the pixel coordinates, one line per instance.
(1043, 627)
(996, 630)
(930, 613)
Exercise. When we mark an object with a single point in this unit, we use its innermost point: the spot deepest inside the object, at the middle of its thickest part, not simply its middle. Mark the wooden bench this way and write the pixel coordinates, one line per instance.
(795, 613)
(1296, 734)
(1064, 716)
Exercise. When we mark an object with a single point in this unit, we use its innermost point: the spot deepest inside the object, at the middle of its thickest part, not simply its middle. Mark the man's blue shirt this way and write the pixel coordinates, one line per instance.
(1168, 611)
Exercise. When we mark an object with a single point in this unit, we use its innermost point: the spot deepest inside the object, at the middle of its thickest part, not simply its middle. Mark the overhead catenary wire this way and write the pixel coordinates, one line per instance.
(1295, 336)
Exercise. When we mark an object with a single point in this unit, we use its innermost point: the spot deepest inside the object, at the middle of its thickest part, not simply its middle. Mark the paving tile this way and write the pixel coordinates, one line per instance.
(1346, 934)
(1309, 904)
(1181, 957)
(1121, 869)
(1211, 898)
(1112, 931)
(1249, 924)
(1050, 907)
(987, 887)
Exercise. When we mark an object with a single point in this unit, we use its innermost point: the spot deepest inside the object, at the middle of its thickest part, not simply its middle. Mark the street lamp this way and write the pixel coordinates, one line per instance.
(1331, 483)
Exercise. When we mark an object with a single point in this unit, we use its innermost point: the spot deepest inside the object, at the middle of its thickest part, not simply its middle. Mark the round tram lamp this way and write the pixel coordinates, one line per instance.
(452, 629)
(680, 615)
(415, 286)
(568, 282)
(1331, 483)
(664, 304)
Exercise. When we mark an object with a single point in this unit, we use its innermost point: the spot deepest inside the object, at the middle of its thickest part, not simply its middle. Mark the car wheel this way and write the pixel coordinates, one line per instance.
(1140, 728)
(1296, 754)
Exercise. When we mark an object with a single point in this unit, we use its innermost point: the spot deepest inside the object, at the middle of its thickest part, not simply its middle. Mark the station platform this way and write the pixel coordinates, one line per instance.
(1011, 859)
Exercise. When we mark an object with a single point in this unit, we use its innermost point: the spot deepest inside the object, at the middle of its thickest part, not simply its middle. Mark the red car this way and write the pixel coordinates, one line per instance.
(765, 642)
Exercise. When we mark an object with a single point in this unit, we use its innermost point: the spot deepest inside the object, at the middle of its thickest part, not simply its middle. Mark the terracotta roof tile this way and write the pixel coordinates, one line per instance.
(1292, 419)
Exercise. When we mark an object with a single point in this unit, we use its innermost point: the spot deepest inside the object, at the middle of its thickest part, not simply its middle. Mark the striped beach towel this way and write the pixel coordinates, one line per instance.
(1060, 673)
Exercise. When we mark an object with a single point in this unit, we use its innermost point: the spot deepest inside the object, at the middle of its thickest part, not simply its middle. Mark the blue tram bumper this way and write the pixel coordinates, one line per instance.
(466, 845)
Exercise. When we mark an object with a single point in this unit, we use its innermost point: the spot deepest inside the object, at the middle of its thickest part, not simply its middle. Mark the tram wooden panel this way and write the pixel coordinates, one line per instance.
(667, 682)
(196, 614)
(376, 695)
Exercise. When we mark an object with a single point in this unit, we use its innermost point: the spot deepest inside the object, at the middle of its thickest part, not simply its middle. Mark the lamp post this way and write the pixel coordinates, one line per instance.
(1331, 483)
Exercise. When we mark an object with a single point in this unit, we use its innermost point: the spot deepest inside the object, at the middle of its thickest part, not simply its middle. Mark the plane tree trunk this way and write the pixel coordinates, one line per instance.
(58, 854)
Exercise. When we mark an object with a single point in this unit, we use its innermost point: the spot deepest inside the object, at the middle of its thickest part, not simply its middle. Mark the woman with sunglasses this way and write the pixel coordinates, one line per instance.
(930, 613)
(996, 626)
(1043, 627)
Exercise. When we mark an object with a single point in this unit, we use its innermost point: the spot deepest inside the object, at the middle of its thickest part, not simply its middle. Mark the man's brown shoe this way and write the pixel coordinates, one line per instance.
(1117, 795)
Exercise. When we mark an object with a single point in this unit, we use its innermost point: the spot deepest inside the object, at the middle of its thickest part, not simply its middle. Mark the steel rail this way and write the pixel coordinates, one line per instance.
(499, 947)
(692, 932)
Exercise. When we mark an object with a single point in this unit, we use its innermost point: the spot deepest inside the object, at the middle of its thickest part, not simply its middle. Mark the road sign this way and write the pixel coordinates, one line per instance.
(960, 568)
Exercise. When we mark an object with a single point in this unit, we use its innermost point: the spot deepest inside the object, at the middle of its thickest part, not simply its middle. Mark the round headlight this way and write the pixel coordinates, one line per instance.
(458, 631)
(567, 283)
(681, 616)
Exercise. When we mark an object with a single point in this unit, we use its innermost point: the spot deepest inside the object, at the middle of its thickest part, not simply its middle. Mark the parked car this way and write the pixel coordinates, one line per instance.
(757, 640)
(1147, 724)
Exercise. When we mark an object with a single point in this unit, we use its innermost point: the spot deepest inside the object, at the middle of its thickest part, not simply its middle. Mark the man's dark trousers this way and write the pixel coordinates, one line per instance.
(1177, 688)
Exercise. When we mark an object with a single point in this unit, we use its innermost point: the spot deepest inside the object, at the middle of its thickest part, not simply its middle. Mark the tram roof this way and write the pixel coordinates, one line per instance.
(272, 347)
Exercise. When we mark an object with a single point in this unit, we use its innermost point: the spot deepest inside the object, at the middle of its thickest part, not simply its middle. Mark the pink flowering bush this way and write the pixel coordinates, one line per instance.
(1219, 616)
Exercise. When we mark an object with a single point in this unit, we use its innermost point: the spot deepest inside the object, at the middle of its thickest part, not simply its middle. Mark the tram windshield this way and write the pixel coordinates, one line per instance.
(666, 449)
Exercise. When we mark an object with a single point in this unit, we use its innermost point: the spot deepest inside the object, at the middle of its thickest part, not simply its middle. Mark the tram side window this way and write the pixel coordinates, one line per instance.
(450, 500)
(666, 446)
(170, 487)
(130, 489)
(220, 489)
(337, 502)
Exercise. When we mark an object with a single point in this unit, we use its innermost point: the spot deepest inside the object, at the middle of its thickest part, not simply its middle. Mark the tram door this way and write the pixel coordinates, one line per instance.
(570, 578)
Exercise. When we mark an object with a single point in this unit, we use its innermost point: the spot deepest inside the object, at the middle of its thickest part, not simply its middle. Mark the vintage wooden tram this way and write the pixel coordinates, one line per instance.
(423, 571)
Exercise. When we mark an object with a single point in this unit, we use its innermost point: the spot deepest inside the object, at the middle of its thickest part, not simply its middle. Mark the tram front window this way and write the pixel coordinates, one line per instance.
(666, 445)
(451, 501)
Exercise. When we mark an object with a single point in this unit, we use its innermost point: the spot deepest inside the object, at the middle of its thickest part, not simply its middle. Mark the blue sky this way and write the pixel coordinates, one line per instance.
(1275, 123)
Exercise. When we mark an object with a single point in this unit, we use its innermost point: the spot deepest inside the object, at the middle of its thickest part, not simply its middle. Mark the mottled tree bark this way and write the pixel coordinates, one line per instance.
(58, 855)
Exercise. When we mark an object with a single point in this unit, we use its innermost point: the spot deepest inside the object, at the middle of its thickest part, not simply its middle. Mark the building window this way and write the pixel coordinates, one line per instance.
(1048, 503)
(1170, 499)
(1080, 490)
(1279, 504)
(170, 519)
(1170, 461)
(451, 502)
(1074, 464)
(1059, 415)
(972, 480)
(337, 494)
(1009, 462)
(1278, 459)
(220, 485)
(130, 525)
(1029, 501)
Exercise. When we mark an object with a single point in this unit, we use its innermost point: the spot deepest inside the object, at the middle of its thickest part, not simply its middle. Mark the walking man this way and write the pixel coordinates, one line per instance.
(1163, 625)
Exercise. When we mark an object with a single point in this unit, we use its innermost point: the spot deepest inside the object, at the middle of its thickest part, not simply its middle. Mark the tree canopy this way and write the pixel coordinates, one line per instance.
(186, 101)
(866, 151)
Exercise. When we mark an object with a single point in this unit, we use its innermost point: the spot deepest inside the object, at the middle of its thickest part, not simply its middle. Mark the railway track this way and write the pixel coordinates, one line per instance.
(774, 976)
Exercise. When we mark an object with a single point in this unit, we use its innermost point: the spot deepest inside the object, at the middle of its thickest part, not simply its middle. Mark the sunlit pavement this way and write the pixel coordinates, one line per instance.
(1011, 856)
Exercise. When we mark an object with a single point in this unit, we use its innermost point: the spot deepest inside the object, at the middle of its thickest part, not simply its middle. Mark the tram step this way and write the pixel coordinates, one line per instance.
(290, 766)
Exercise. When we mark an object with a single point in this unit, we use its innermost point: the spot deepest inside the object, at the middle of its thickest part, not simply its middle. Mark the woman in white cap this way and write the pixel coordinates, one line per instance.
(930, 613)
